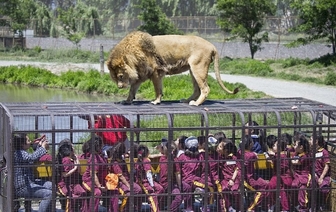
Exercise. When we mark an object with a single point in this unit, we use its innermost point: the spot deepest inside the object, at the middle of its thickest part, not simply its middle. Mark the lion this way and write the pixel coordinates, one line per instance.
(140, 56)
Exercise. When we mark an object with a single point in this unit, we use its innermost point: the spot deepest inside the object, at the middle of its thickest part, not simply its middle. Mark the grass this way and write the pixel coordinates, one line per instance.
(93, 82)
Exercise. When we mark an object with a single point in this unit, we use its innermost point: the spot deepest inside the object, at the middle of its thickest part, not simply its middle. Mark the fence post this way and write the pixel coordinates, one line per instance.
(101, 59)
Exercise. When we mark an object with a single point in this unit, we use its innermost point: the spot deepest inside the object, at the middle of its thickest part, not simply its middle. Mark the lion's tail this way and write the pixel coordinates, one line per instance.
(218, 77)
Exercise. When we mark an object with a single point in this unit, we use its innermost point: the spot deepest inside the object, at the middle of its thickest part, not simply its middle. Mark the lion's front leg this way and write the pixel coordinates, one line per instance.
(131, 94)
(157, 82)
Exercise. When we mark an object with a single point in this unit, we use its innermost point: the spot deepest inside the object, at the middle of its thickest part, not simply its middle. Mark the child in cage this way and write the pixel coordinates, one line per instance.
(322, 171)
(302, 169)
(230, 174)
(253, 182)
(98, 172)
(119, 167)
(178, 186)
(70, 182)
(211, 175)
(286, 176)
(144, 177)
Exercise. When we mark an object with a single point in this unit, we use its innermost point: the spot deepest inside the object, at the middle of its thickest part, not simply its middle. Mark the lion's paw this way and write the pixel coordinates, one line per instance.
(125, 102)
(193, 103)
(155, 102)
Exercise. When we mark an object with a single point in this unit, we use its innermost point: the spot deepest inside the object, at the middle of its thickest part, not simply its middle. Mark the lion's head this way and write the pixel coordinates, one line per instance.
(133, 59)
(121, 70)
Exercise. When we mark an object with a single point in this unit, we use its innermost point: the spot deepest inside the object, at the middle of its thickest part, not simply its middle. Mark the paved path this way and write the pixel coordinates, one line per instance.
(283, 89)
(273, 87)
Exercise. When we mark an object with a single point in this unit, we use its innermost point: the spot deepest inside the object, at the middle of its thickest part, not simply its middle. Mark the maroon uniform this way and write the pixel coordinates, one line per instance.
(212, 167)
(302, 178)
(120, 168)
(101, 170)
(285, 182)
(177, 197)
(211, 174)
(141, 169)
(70, 186)
(322, 159)
(252, 182)
(191, 169)
(227, 167)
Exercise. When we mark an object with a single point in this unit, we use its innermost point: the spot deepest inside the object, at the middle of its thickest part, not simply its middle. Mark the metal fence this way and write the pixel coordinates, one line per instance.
(170, 119)
(206, 26)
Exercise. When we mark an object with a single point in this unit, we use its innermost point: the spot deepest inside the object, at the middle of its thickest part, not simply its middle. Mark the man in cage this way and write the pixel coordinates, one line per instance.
(24, 180)
(113, 121)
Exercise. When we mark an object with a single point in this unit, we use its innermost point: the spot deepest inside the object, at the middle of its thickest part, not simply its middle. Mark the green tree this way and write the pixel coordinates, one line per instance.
(70, 25)
(79, 21)
(245, 19)
(42, 18)
(155, 21)
(318, 21)
(19, 12)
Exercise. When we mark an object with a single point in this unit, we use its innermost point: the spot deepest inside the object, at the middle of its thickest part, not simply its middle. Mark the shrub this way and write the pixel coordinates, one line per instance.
(290, 62)
(330, 79)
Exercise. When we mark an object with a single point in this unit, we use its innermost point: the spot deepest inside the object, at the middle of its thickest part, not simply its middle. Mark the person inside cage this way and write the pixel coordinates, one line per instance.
(286, 175)
(191, 167)
(178, 186)
(289, 140)
(219, 135)
(24, 182)
(302, 173)
(46, 157)
(180, 143)
(253, 182)
(70, 181)
(257, 135)
(212, 165)
(230, 176)
(119, 167)
(144, 177)
(95, 175)
(322, 171)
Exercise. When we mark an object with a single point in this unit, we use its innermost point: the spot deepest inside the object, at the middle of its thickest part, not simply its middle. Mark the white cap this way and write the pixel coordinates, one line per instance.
(191, 142)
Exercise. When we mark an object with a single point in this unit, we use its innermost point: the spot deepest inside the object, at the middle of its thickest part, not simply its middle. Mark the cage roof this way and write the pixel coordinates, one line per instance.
(172, 107)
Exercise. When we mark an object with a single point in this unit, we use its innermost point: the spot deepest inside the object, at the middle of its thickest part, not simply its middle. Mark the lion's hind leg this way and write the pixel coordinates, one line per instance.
(157, 82)
(201, 87)
(196, 93)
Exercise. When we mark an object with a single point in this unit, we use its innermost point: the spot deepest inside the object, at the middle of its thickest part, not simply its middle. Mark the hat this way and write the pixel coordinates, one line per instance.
(163, 143)
(191, 142)
(111, 181)
(212, 142)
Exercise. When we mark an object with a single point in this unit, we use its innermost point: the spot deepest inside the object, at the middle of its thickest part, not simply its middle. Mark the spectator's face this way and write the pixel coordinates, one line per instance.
(275, 147)
(220, 149)
(248, 131)
(298, 148)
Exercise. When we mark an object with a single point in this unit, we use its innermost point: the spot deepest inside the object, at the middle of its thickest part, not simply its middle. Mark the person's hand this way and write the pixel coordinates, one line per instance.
(44, 143)
(231, 182)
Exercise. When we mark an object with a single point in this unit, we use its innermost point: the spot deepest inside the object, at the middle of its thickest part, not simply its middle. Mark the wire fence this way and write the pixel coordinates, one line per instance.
(116, 28)
(111, 31)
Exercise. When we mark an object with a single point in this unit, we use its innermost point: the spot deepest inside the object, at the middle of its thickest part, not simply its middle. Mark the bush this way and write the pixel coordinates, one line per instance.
(290, 62)
(330, 79)
(247, 66)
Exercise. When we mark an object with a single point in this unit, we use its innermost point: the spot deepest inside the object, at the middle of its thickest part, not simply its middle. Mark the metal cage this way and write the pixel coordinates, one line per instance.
(151, 123)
